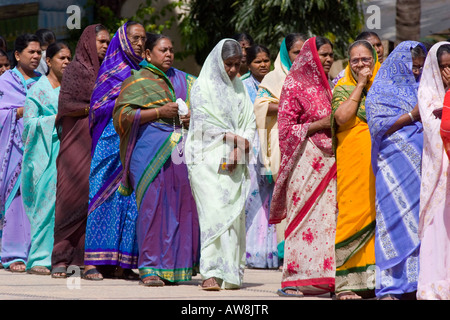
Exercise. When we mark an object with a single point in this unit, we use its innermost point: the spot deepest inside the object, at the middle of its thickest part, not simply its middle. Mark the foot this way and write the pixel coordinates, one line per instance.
(40, 270)
(388, 297)
(59, 272)
(210, 284)
(17, 266)
(152, 281)
(91, 273)
(347, 295)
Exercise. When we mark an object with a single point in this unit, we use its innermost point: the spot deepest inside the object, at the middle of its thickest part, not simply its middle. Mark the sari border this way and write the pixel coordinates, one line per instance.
(154, 167)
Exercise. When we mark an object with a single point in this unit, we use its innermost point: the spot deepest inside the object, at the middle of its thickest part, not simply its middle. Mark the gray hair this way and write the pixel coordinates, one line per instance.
(418, 52)
(231, 48)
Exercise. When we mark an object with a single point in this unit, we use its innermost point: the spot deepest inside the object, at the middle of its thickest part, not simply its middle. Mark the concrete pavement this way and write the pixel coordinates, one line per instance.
(258, 285)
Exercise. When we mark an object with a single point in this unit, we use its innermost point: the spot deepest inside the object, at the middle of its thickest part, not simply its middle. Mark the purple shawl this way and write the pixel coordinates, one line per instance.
(13, 91)
(120, 59)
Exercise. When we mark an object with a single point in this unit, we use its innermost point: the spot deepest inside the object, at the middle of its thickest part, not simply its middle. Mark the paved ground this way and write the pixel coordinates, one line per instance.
(258, 285)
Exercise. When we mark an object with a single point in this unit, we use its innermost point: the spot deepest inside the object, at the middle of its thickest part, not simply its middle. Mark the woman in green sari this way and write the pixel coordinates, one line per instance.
(221, 128)
(151, 131)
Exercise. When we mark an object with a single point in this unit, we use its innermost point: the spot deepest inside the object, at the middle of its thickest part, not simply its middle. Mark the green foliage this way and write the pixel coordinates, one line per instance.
(269, 21)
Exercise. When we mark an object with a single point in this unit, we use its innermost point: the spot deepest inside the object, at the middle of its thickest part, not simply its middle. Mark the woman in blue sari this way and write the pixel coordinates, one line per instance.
(14, 86)
(41, 146)
(152, 152)
(111, 225)
(397, 141)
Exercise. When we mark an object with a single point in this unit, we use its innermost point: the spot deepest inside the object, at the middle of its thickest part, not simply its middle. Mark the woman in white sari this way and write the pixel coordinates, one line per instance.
(221, 126)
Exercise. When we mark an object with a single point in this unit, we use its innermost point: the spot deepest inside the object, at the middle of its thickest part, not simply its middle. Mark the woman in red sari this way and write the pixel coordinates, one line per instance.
(305, 190)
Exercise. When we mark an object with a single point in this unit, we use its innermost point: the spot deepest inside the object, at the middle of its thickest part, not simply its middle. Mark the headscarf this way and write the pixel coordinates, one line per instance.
(305, 98)
(75, 95)
(344, 88)
(218, 105)
(431, 95)
(393, 93)
(119, 60)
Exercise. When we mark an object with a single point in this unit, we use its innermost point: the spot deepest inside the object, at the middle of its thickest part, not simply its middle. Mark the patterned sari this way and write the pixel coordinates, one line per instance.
(16, 232)
(111, 224)
(396, 163)
(261, 243)
(305, 190)
(41, 146)
(153, 161)
(434, 226)
(355, 229)
(218, 106)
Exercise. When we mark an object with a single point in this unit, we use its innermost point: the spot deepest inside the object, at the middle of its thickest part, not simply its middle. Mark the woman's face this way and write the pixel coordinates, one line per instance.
(58, 63)
(295, 50)
(360, 58)
(444, 67)
(326, 57)
(232, 66)
(30, 57)
(378, 45)
(136, 35)
(161, 56)
(102, 40)
(417, 66)
(4, 64)
(244, 45)
(260, 66)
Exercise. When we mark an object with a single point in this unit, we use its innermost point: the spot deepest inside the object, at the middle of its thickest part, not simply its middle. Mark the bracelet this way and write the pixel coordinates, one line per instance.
(411, 116)
(357, 101)
(157, 113)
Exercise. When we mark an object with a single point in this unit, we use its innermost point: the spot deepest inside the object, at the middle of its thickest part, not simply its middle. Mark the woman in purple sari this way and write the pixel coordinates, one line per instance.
(111, 225)
(14, 85)
(152, 153)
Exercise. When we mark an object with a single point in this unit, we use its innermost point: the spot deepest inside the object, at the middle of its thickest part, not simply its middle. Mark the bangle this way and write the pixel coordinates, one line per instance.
(411, 116)
(357, 101)
(157, 113)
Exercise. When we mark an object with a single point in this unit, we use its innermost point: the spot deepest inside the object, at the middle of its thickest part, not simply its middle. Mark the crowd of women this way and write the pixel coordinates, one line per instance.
(115, 160)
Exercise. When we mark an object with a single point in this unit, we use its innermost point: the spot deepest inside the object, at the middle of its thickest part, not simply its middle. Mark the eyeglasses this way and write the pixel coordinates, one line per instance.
(364, 60)
(417, 69)
(135, 39)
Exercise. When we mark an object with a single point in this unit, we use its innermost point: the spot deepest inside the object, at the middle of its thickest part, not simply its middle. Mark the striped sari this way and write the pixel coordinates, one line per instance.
(355, 229)
(396, 162)
(154, 167)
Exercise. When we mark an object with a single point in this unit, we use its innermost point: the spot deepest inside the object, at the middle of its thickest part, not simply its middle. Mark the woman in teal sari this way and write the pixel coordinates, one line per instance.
(41, 146)
(151, 132)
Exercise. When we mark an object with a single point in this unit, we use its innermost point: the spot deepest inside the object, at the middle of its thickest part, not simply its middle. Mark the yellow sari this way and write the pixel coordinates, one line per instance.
(355, 232)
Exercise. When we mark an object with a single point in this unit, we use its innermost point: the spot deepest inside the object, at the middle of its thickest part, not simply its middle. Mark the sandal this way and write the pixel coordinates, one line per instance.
(59, 272)
(152, 281)
(283, 292)
(92, 274)
(210, 284)
(388, 297)
(347, 295)
(39, 270)
(17, 266)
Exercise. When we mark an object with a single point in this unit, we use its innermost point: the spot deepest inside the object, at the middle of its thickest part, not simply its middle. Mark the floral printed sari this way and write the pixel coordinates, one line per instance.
(305, 190)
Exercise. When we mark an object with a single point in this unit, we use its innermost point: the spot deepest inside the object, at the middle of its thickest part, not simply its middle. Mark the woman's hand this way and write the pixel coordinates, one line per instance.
(185, 120)
(169, 110)
(19, 113)
(234, 159)
(364, 76)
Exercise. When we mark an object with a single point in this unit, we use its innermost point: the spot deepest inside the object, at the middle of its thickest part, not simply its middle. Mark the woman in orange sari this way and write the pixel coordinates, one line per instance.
(355, 230)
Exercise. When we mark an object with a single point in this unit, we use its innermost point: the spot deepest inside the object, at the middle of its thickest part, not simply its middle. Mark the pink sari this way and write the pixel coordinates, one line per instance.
(305, 190)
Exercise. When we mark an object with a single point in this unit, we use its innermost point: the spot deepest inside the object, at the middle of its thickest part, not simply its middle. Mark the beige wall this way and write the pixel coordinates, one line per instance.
(189, 64)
